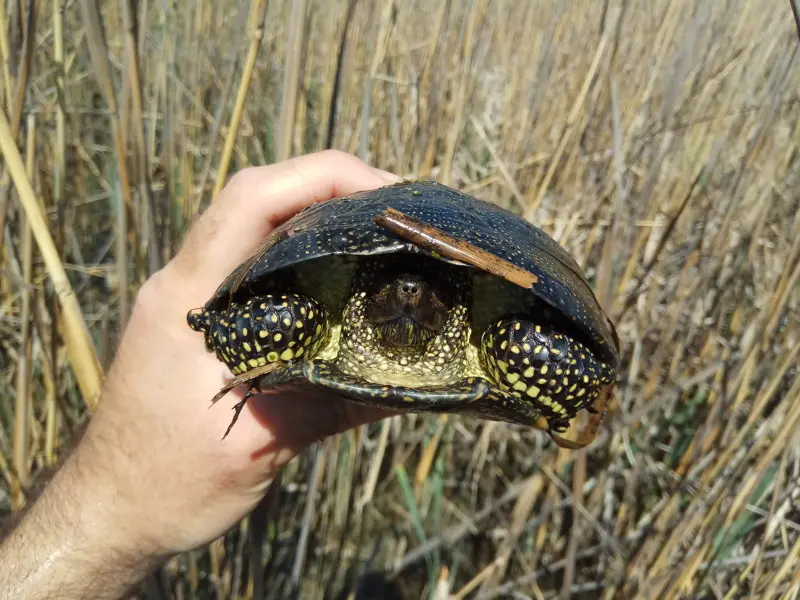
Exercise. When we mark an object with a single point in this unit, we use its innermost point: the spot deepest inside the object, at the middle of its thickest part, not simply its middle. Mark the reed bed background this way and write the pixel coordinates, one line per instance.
(658, 141)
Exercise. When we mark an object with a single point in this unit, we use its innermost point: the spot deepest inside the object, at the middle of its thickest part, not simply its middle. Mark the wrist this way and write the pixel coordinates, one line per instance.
(78, 540)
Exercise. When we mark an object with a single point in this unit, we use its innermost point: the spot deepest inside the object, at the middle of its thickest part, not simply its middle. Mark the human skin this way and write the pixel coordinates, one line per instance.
(151, 476)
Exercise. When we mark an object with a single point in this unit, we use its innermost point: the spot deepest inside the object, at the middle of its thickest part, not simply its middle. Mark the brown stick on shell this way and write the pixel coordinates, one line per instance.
(437, 241)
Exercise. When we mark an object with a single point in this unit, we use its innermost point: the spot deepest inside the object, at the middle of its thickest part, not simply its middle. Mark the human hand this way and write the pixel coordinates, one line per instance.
(152, 476)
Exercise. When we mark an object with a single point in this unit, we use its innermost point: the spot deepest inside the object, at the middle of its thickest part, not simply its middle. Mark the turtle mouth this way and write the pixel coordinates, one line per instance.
(404, 331)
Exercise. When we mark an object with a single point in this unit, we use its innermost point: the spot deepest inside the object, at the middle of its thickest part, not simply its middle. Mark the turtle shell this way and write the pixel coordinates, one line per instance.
(345, 226)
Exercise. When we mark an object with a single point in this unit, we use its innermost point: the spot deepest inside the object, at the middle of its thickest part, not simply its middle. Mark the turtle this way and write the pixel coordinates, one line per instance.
(417, 297)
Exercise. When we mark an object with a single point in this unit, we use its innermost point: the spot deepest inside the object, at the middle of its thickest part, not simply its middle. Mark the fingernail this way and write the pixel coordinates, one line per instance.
(387, 176)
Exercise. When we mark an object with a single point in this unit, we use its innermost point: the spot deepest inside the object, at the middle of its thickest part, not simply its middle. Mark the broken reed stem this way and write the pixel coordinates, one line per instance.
(258, 14)
(79, 345)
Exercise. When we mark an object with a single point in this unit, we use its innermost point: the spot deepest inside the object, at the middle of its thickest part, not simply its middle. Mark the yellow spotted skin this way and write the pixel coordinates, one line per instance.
(440, 362)
(556, 373)
(264, 329)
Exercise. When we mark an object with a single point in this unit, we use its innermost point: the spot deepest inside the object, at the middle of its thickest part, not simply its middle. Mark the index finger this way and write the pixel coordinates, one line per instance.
(257, 199)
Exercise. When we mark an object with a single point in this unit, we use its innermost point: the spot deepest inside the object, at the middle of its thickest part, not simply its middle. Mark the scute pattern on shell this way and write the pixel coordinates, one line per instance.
(345, 226)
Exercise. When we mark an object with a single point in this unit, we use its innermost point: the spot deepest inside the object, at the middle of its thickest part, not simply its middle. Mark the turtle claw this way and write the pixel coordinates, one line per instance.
(238, 407)
(584, 430)
(248, 377)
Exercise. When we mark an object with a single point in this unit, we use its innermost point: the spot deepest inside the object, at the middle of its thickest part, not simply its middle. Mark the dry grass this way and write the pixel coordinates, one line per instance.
(657, 141)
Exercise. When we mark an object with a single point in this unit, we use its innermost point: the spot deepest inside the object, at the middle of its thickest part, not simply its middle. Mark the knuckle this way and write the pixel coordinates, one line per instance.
(151, 293)
(165, 295)
(151, 289)
(244, 178)
(339, 157)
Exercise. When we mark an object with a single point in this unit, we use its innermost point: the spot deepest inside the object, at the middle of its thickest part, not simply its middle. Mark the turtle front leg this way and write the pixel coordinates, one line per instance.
(268, 334)
(265, 329)
(554, 372)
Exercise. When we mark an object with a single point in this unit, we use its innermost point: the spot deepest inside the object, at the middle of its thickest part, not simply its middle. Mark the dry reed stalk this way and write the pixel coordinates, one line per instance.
(499, 162)
(661, 46)
(23, 73)
(382, 19)
(16, 99)
(132, 93)
(430, 84)
(700, 522)
(533, 204)
(291, 80)
(329, 124)
(308, 77)
(308, 515)
(695, 362)
(23, 409)
(617, 230)
(80, 349)
(520, 515)
(459, 102)
(479, 455)
(684, 582)
(375, 467)
(793, 588)
(591, 103)
(776, 491)
(578, 481)
(258, 12)
(8, 88)
(429, 454)
(761, 402)
(122, 283)
(216, 124)
(51, 415)
(132, 70)
(98, 51)
(477, 186)
(476, 581)
(61, 140)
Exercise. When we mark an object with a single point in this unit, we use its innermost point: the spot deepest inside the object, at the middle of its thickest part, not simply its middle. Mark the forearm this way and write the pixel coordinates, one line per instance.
(72, 543)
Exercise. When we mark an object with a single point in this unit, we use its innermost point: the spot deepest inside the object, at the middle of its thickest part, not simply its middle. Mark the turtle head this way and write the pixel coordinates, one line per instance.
(406, 309)
(199, 319)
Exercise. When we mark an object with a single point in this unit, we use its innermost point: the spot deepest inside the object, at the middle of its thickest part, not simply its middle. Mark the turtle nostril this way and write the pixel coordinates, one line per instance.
(410, 288)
